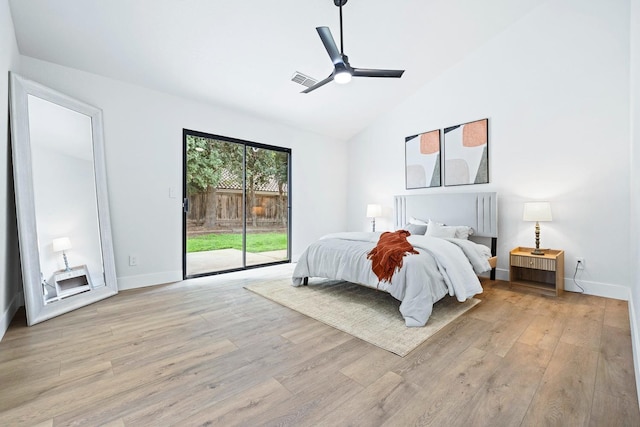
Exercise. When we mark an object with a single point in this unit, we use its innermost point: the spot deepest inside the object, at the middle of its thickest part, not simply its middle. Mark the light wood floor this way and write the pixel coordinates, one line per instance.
(208, 352)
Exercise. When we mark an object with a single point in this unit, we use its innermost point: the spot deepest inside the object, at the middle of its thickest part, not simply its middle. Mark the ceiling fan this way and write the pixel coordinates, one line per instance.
(343, 71)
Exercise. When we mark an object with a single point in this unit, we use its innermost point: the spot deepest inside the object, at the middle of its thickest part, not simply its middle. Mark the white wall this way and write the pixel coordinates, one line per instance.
(555, 87)
(143, 144)
(634, 303)
(10, 279)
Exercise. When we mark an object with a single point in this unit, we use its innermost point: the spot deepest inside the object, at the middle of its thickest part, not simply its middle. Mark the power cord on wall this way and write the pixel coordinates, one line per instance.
(574, 278)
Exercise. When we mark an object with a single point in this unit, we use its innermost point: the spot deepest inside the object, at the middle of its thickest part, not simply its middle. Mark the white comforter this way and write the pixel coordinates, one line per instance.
(443, 266)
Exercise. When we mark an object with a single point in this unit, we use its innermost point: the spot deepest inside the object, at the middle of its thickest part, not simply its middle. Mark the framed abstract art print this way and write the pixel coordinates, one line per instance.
(466, 153)
(422, 160)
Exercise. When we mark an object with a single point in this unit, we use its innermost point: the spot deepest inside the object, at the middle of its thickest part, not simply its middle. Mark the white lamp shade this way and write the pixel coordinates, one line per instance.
(374, 211)
(61, 244)
(537, 211)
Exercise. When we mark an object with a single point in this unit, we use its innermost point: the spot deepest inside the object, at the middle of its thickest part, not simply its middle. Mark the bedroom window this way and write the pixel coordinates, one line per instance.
(236, 204)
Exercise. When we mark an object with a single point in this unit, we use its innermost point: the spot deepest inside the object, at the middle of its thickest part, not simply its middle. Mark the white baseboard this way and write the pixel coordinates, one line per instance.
(635, 342)
(8, 314)
(144, 280)
(502, 274)
(606, 290)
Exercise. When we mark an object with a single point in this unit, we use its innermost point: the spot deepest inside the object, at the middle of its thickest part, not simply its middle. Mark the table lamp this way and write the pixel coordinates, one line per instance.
(61, 245)
(537, 211)
(372, 212)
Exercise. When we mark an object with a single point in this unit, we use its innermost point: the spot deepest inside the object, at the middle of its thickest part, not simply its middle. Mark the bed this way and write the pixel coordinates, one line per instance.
(445, 264)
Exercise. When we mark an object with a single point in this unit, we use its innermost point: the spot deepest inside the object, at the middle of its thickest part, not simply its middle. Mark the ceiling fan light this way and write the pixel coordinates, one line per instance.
(342, 77)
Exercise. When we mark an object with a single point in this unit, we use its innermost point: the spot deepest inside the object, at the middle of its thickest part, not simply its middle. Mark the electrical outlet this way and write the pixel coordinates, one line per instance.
(133, 260)
(580, 263)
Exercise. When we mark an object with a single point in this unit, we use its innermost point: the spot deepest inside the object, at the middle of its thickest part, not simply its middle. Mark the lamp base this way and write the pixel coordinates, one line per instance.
(537, 250)
(66, 262)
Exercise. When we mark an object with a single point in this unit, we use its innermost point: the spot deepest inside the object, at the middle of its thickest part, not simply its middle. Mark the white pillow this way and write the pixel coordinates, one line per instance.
(417, 221)
(441, 230)
(416, 229)
(463, 231)
(435, 229)
(413, 221)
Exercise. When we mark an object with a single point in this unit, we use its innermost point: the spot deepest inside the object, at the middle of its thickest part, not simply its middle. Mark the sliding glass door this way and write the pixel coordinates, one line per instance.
(236, 203)
(267, 201)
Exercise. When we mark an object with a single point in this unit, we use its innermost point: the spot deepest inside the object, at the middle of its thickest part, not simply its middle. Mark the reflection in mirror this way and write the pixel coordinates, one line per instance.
(65, 198)
(61, 198)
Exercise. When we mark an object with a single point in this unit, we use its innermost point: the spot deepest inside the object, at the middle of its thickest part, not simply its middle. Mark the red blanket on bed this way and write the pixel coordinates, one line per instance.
(387, 256)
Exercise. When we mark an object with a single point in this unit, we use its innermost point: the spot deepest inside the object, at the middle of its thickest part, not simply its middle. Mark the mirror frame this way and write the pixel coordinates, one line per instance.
(36, 309)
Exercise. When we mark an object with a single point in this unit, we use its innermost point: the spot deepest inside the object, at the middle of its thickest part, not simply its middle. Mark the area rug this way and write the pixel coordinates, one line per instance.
(365, 313)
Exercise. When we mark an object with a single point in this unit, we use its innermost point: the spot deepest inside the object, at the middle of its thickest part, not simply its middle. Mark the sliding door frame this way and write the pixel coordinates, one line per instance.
(185, 204)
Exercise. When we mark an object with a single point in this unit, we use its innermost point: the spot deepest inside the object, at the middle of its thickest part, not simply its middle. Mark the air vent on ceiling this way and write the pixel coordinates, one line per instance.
(303, 79)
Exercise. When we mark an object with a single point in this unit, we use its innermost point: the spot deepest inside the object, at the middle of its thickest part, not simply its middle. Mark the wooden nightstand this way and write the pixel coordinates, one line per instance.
(542, 272)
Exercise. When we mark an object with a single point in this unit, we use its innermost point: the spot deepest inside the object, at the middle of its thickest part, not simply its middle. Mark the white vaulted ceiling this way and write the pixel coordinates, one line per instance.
(242, 54)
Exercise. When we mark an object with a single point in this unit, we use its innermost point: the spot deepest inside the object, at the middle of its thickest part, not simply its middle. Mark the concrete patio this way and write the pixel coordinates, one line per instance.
(227, 259)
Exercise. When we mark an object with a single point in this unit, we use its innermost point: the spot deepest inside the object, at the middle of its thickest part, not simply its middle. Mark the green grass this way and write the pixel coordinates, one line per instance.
(260, 242)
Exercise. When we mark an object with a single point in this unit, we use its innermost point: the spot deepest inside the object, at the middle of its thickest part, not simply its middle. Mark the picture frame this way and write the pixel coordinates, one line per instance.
(423, 160)
(466, 153)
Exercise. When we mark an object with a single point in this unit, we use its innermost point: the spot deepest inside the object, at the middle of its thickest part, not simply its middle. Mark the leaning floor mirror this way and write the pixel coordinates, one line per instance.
(66, 250)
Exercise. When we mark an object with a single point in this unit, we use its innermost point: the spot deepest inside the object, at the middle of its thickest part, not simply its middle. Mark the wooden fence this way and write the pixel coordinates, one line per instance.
(269, 210)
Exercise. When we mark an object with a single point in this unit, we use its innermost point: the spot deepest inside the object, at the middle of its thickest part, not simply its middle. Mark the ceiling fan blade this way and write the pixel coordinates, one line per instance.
(317, 85)
(330, 45)
(369, 72)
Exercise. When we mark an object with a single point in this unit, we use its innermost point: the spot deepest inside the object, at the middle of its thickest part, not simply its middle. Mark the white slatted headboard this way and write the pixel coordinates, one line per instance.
(478, 210)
